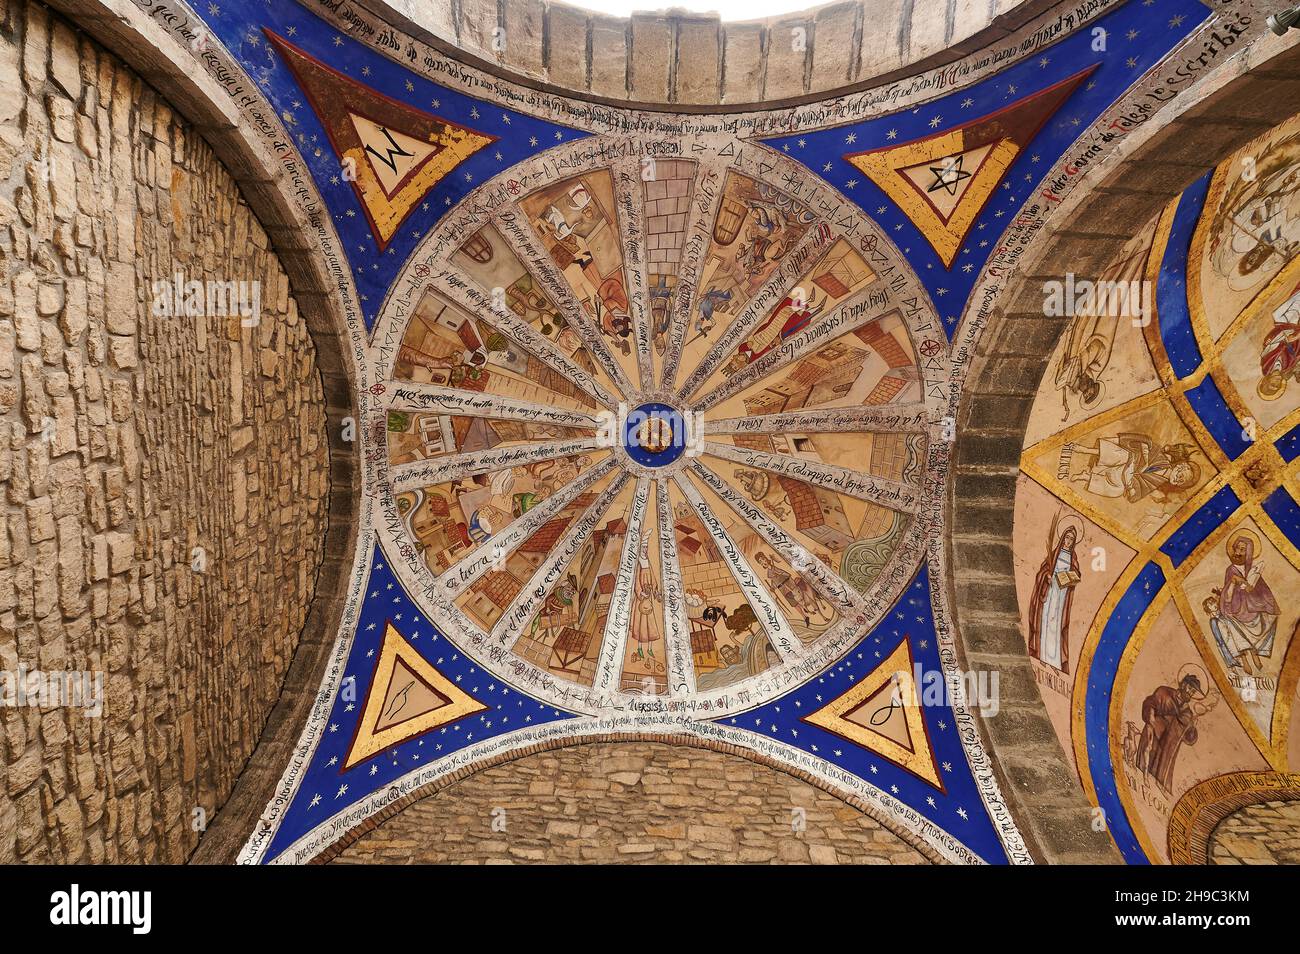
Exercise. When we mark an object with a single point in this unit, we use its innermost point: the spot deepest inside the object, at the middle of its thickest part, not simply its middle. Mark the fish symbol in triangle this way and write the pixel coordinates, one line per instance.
(942, 182)
(407, 697)
(882, 713)
(392, 153)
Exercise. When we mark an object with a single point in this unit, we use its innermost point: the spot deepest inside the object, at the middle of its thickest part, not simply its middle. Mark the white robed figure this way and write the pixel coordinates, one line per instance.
(1049, 611)
(1053, 617)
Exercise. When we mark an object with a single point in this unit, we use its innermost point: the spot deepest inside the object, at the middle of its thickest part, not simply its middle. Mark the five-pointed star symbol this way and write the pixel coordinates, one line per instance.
(948, 174)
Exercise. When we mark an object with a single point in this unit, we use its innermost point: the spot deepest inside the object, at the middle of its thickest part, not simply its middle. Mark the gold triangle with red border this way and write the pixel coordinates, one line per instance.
(406, 697)
(392, 153)
(882, 713)
(942, 182)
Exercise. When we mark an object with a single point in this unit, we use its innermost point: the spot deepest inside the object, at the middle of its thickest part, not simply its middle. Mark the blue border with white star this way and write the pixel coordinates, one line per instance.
(326, 788)
(238, 24)
(1138, 35)
(958, 808)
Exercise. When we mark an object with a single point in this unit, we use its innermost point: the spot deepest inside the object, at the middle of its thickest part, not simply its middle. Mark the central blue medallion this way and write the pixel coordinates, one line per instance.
(654, 435)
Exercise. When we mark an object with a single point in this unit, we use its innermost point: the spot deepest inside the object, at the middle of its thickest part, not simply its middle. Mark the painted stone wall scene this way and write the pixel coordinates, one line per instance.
(1159, 456)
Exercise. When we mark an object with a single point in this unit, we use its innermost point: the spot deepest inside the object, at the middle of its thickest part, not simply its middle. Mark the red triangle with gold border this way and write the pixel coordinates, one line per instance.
(407, 697)
(392, 153)
(882, 713)
(942, 182)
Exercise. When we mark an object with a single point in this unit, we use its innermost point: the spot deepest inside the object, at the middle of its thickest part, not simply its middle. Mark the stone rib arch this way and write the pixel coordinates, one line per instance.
(1205, 806)
(692, 62)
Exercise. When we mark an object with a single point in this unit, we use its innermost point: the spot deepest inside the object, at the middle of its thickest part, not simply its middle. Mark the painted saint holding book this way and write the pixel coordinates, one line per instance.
(1049, 609)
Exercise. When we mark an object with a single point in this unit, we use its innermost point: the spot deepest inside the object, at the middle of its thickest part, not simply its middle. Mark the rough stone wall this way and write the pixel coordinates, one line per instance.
(630, 803)
(1263, 834)
(127, 440)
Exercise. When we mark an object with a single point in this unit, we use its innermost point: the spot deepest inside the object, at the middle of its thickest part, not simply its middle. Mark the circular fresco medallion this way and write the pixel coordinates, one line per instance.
(654, 435)
(655, 444)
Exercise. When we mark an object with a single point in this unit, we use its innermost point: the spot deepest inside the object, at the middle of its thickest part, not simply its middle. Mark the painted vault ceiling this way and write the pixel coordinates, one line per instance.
(656, 409)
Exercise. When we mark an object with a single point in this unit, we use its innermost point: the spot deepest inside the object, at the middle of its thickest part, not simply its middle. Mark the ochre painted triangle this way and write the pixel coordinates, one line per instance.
(943, 183)
(971, 160)
(876, 714)
(407, 697)
(392, 153)
(398, 156)
(882, 713)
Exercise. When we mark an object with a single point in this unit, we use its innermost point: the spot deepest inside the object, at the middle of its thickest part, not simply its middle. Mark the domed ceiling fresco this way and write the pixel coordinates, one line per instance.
(656, 413)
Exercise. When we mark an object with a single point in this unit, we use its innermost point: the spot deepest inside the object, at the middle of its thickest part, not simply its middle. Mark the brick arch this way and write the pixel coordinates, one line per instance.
(158, 59)
(619, 740)
(1109, 208)
(1196, 817)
